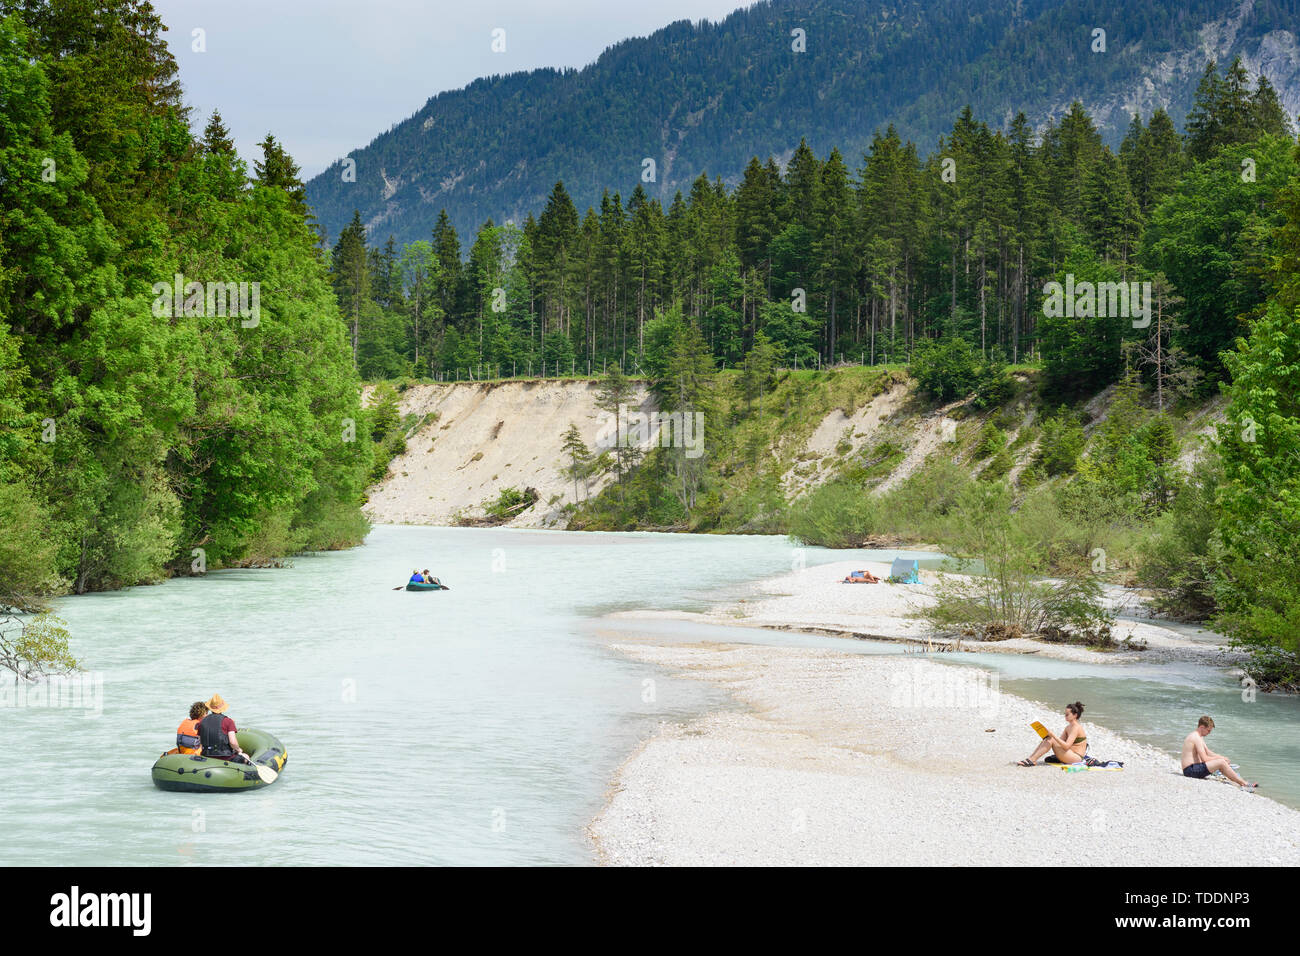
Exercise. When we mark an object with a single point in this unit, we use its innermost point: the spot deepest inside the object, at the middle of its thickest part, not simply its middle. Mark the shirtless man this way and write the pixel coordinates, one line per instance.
(1200, 761)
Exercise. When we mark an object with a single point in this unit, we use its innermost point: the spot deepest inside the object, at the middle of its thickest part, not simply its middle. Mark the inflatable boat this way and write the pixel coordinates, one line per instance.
(426, 586)
(195, 774)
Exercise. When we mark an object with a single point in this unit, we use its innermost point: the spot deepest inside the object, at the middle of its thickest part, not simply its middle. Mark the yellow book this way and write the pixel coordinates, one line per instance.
(1042, 731)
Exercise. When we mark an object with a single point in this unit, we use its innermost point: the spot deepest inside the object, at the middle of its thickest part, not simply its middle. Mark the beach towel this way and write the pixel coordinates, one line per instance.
(1096, 763)
(1087, 763)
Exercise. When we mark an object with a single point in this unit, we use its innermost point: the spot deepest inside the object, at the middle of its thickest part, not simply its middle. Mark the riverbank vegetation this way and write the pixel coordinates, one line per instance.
(180, 353)
(36, 647)
(176, 391)
(727, 301)
(1144, 439)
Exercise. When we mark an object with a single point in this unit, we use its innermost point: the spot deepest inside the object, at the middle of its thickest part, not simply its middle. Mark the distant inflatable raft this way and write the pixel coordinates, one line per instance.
(425, 586)
(178, 771)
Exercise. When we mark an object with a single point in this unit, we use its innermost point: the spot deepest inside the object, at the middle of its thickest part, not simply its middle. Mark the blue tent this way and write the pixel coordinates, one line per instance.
(905, 571)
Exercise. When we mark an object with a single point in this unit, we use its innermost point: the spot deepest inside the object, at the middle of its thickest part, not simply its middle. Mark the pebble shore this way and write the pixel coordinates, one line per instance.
(842, 759)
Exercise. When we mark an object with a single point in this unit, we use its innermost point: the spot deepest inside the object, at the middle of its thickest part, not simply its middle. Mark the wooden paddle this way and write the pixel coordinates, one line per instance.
(267, 774)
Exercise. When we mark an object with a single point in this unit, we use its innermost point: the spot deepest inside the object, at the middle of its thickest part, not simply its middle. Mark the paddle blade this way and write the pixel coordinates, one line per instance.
(267, 774)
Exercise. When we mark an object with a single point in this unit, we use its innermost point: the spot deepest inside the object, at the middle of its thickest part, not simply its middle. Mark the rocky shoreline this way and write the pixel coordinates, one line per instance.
(841, 758)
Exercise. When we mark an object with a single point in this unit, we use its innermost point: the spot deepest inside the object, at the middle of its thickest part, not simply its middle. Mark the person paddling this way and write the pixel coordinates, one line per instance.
(422, 578)
(217, 732)
(187, 734)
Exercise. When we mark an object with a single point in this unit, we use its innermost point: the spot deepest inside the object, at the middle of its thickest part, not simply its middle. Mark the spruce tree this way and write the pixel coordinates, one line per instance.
(350, 275)
(216, 138)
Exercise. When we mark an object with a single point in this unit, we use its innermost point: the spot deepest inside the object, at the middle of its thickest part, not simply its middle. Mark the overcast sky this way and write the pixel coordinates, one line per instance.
(327, 76)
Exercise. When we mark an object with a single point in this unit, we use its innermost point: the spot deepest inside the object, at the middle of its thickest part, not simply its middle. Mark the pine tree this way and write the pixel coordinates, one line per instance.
(757, 205)
(1173, 376)
(644, 252)
(616, 392)
(417, 272)
(892, 212)
(687, 389)
(580, 457)
(834, 246)
(758, 372)
(446, 247)
(216, 138)
(1153, 160)
(1204, 124)
(803, 179)
(1029, 221)
(1227, 113)
(1268, 116)
(556, 248)
(277, 170)
(350, 275)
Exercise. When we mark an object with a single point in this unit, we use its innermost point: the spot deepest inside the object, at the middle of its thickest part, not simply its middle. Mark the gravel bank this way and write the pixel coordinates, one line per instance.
(816, 599)
(843, 759)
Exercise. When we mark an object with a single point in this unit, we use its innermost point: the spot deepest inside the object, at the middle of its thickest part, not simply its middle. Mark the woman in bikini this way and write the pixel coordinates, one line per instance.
(1070, 747)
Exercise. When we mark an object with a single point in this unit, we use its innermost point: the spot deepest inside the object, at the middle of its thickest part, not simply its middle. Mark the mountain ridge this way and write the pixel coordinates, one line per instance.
(704, 97)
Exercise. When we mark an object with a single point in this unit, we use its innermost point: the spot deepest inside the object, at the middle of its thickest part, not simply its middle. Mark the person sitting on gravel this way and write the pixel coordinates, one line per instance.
(1200, 761)
(1070, 747)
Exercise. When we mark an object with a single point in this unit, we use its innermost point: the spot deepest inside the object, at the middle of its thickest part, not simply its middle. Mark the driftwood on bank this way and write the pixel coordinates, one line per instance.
(531, 497)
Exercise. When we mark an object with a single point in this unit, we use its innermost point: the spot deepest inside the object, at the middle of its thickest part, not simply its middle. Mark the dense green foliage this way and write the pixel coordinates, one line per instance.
(698, 97)
(944, 261)
(36, 647)
(144, 433)
(1014, 596)
(1260, 497)
(1210, 223)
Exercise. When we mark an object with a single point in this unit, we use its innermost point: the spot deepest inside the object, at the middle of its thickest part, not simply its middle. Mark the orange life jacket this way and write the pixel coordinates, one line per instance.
(187, 737)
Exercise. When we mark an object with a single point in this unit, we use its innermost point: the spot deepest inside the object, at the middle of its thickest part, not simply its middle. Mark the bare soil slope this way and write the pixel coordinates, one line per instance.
(486, 437)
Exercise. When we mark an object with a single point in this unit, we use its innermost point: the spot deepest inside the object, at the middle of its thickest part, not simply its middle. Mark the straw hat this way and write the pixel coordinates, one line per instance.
(217, 704)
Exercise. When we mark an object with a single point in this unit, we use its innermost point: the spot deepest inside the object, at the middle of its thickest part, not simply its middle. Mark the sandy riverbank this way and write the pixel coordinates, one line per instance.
(842, 759)
(479, 438)
(815, 599)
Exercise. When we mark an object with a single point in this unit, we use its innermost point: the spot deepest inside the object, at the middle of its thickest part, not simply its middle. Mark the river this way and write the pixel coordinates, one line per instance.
(479, 725)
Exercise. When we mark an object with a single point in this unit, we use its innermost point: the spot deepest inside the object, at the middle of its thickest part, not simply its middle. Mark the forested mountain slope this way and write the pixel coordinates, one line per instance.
(706, 97)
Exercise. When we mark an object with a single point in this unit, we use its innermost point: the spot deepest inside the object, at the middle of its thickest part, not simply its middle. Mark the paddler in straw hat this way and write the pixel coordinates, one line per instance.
(217, 732)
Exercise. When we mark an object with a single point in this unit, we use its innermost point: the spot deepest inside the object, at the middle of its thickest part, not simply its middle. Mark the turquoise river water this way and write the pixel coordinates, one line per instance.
(479, 725)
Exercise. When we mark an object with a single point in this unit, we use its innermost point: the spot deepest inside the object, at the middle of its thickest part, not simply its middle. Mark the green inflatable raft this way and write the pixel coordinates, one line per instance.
(194, 774)
(426, 586)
